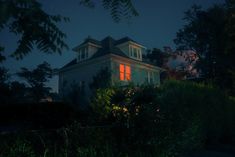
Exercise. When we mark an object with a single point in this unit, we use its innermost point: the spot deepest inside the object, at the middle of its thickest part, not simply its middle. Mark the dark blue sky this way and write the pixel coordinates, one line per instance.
(156, 26)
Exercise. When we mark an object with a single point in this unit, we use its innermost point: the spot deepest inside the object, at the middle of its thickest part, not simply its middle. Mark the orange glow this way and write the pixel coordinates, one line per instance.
(128, 77)
(122, 72)
(128, 73)
(125, 72)
(128, 69)
(122, 68)
(122, 76)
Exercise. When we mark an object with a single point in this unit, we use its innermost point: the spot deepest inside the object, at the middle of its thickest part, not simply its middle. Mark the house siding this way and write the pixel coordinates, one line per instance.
(80, 73)
(139, 72)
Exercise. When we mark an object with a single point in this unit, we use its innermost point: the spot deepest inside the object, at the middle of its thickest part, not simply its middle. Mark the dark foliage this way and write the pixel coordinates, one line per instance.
(101, 80)
(36, 80)
(76, 95)
(211, 33)
(158, 57)
(35, 115)
(117, 8)
(35, 27)
(172, 120)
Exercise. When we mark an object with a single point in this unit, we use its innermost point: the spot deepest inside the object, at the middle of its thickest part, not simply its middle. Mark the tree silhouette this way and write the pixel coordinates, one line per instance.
(36, 80)
(101, 80)
(211, 33)
(36, 27)
(117, 8)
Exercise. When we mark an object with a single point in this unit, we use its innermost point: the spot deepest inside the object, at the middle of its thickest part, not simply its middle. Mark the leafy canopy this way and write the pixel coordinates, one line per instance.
(117, 8)
(34, 26)
(211, 34)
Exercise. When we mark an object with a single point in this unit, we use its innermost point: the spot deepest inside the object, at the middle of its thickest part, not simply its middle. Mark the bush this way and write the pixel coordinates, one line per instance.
(179, 116)
(171, 120)
(181, 102)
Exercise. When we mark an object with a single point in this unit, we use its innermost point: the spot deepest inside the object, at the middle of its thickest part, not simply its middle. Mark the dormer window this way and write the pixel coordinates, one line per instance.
(83, 53)
(135, 52)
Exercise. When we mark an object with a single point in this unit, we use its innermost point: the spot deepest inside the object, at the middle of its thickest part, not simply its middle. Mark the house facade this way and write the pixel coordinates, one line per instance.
(122, 57)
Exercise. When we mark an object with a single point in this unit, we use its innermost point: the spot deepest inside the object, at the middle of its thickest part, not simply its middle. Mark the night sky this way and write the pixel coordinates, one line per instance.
(156, 26)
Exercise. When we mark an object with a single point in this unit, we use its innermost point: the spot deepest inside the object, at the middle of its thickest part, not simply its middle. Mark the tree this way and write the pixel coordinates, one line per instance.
(117, 8)
(101, 80)
(211, 34)
(4, 86)
(36, 80)
(35, 27)
(158, 57)
(178, 64)
(18, 92)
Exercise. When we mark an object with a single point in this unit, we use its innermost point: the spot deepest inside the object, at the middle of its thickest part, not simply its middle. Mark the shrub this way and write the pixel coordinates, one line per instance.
(181, 102)
(20, 148)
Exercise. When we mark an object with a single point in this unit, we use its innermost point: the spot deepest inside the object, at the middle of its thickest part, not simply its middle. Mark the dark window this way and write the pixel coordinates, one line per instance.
(83, 53)
(135, 52)
(79, 56)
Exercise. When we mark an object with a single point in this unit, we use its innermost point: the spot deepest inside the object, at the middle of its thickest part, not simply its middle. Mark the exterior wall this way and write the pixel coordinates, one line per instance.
(84, 72)
(127, 48)
(140, 73)
(92, 50)
(81, 73)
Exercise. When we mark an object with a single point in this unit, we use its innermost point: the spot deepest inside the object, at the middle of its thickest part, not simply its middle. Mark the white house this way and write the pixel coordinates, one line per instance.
(122, 57)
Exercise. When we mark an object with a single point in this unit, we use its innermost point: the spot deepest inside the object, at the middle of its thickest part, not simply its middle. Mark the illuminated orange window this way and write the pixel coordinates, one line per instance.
(128, 73)
(125, 72)
(122, 70)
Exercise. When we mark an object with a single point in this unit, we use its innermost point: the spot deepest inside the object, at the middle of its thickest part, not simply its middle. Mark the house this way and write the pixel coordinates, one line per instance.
(122, 57)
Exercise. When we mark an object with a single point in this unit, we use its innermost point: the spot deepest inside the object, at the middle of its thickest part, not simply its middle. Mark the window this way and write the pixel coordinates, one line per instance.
(83, 53)
(139, 54)
(128, 73)
(150, 77)
(122, 70)
(135, 52)
(125, 72)
(86, 53)
(79, 55)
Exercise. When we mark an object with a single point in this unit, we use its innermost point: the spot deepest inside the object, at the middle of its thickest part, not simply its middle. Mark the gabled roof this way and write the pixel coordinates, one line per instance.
(123, 40)
(91, 40)
(107, 46)
(88, 40)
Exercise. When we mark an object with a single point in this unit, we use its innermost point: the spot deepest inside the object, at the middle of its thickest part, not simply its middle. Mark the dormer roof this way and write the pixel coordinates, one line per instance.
(127, 39)
(86, 41)
(108, 46)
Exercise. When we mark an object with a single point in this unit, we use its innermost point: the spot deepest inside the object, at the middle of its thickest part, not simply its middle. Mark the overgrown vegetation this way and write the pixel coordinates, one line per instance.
(170, 120)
